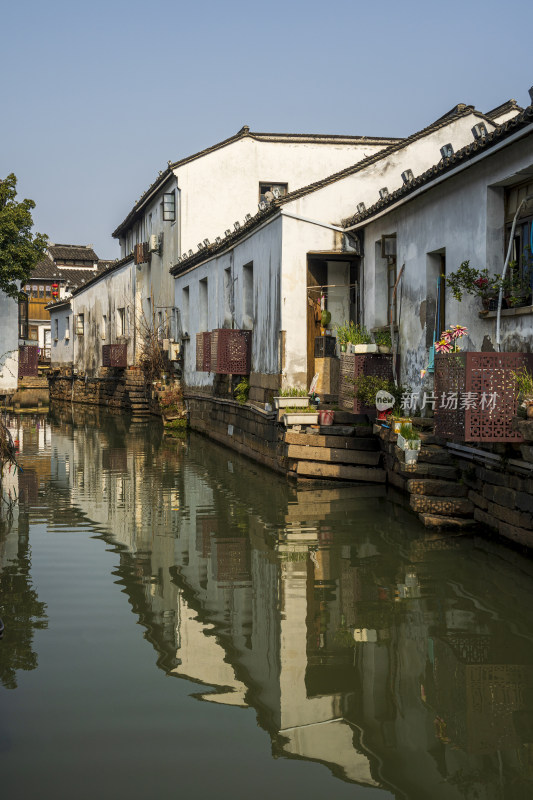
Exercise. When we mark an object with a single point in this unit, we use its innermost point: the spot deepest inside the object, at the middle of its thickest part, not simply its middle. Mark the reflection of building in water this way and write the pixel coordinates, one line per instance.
(355, 650)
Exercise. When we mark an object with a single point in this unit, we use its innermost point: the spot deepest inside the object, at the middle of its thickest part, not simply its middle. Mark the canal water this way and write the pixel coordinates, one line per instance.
(181, 622)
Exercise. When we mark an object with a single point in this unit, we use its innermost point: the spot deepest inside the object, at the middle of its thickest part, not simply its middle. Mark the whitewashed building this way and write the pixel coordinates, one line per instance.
(460, 209)
(9, 338)
(270, 273)
(188, 205)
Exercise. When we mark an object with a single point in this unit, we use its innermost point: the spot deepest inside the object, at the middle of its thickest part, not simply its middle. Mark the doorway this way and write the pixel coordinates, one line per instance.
(332, 284)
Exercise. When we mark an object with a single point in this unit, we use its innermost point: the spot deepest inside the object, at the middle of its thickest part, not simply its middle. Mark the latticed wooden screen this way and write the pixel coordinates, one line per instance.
(203, 352)
(28, 361)
(354, 366)
(115, 355)
(476, 396)
(231, 352)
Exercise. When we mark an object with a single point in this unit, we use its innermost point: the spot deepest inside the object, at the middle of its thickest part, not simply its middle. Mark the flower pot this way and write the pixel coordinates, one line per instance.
(300, 419)
(412, 444)
(326, 417)
(384, 348)
(343, 347)
(291, 402)
(401, 442)
(411, 456)
(397, 423)
(363, 348)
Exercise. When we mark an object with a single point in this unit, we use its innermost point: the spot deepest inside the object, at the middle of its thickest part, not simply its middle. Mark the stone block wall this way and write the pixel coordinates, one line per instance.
(248, 430)
(108, 389)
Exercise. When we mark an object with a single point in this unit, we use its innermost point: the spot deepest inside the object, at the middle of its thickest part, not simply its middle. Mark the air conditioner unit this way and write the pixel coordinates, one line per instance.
(154, 243)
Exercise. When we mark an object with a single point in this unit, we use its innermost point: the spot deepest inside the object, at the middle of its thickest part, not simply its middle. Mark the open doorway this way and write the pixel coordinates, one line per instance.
(332, 284)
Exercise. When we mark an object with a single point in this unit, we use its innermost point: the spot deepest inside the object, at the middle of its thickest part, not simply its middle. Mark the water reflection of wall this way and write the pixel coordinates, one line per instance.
(361, 641)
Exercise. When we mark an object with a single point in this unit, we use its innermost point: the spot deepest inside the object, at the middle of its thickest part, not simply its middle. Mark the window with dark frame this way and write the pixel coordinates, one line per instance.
(169, 206)
(80, 324)
(282, 188)
(23, 318)
(519, 289)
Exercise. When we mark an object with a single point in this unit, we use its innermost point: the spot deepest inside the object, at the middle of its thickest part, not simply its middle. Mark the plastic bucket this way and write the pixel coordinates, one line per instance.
(326, 417)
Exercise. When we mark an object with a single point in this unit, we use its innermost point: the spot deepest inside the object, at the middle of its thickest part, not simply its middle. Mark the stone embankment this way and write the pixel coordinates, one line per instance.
(433, 485)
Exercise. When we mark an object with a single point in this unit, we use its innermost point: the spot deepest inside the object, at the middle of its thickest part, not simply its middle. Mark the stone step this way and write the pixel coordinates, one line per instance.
(314, 469)
(441, 506)
(337, 430)
(441, 471)
(334, 455)
(433, 454)
(438, 522)
(430, 486)
(317, 440)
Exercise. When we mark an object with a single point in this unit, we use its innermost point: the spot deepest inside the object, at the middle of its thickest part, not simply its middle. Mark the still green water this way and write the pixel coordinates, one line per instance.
(183, 623)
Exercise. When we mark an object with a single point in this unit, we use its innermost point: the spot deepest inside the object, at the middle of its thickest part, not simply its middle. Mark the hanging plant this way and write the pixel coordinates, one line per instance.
(325, 318)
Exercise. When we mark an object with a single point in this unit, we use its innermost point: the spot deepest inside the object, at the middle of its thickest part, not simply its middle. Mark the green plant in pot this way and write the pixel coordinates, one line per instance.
(383, 340)
(474, 281)
(343, 334)
(524, 392)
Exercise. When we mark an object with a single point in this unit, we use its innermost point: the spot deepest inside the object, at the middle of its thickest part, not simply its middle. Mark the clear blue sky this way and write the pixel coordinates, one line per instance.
(98, 96)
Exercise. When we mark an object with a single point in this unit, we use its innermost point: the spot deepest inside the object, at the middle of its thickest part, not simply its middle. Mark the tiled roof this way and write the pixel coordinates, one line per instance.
(226, 241)
(72, 252)
(47, 270)
(466, 153)
(510, 105)
(213, 249)
(113, 265)
(442, 122)
(245, 131)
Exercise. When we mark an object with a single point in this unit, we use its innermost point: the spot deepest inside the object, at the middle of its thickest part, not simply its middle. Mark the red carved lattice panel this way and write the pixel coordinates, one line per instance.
(203, 352)
(231, 352)
(28, 361)
(354, 365)
(489, 378)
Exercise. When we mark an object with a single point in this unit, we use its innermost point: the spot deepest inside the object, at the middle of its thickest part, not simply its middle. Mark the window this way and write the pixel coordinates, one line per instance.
(272, 189)
(23, 318)
(67, 328)
(248, 294)
(48, 291)
(41, 292)
(203, 305)
(169, 206)
(121, 321)
(56, 330)
(159, 325)
(518, 291)
(185, 311)
(104, 325)
(228, 296)
(33, 333)
(80, 325)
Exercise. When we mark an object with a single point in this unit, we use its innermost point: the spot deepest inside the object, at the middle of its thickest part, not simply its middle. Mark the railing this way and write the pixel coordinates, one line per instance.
(355, 366)
(115, 355)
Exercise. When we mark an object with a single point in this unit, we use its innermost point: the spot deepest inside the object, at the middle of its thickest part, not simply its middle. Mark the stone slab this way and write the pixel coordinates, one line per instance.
(442, 506)
(436, 488)
(341, 471)
(334, 455)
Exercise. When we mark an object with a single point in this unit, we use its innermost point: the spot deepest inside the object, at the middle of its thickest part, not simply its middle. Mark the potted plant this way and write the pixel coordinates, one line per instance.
(408, 437)
(343, 333)
(297, 398)
(477, 282)
(524, 391)
(325, 320)
(449, 339)
(361, 340)
(300, 416)
(383, 340)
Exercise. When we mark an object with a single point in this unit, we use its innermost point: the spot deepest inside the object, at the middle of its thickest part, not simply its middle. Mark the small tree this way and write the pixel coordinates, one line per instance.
(20, 250)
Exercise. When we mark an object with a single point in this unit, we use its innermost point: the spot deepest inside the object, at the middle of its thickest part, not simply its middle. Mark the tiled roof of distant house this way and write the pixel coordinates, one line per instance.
(104, 268)
(72, 252)
(470, 151)
(71, 275)
(316, 138)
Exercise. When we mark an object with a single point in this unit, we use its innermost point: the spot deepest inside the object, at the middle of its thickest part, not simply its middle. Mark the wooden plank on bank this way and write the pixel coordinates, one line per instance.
(315, 440)
(313, 469)
(330, 454)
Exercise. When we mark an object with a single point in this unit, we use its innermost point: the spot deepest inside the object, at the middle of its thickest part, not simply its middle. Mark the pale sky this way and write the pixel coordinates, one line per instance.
(97, 97)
